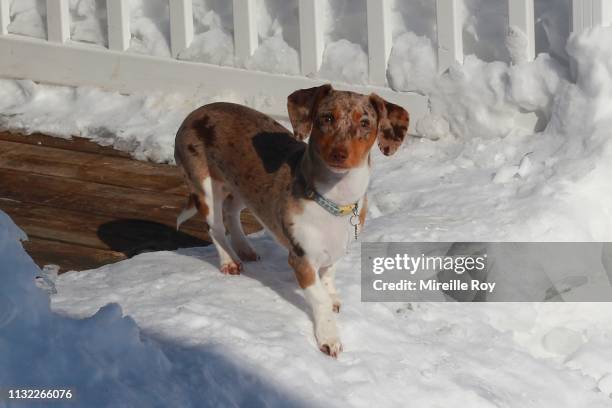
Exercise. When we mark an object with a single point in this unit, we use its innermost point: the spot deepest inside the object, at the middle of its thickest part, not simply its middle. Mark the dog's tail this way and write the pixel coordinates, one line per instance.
(189, 211)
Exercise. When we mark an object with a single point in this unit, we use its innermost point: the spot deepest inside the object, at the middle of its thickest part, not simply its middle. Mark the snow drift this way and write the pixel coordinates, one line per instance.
(106, 359)
(474, 175)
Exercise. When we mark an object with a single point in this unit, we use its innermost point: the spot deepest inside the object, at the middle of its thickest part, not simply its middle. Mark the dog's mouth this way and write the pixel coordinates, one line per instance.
(338, 167)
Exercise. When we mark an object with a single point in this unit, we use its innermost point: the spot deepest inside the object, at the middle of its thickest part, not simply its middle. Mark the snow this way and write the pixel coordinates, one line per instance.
(106, 359)
(429, 354)
(476, 173)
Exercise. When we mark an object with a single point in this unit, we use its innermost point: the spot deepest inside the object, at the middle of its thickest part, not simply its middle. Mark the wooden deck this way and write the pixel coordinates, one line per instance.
(83, 205)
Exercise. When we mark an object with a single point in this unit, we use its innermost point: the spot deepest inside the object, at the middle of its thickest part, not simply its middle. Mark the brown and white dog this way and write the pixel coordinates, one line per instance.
(235, 157)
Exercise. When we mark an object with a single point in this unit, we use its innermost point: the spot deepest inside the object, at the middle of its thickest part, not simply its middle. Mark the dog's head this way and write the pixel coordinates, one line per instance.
(343, 126)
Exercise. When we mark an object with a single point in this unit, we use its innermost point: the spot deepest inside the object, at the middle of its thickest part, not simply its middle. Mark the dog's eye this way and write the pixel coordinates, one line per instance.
(365, 123)
(327, 118)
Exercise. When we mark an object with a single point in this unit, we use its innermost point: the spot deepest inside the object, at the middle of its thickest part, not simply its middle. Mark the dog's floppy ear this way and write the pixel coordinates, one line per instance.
(393, 123)
(301, 106)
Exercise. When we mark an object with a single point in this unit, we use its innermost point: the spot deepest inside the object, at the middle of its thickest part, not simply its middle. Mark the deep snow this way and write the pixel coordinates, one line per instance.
(207, 339)
(106, 359)
(475, 175)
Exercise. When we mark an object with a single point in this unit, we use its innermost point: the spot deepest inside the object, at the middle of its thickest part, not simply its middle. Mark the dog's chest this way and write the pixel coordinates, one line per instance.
(323, 236)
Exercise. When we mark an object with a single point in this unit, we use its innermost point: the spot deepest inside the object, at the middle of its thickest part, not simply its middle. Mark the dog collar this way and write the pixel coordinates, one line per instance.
(330, 206)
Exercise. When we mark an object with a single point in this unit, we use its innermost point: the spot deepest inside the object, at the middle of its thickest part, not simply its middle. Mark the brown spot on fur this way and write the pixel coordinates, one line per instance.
(205, 130)
(275, 149)
(362, 212)
(304, 272)
(192, 149)
(200, 205)
(301, 106)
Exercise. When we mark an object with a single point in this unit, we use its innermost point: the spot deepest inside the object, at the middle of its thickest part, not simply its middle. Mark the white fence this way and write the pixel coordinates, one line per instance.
(62, 61)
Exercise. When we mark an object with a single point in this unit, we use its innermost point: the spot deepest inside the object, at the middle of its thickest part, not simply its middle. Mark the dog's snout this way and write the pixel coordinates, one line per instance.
(339, 154)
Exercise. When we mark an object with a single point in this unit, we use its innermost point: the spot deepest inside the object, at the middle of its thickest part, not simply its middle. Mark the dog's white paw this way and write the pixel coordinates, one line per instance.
(231, 268)
(332, 347)
(328, 339)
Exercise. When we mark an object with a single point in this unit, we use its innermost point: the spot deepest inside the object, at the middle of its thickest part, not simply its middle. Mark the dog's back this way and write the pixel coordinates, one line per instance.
(252, 155)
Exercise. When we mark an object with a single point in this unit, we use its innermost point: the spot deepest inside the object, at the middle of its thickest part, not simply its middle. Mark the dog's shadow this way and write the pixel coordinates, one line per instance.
(272, 270)
(135, 236)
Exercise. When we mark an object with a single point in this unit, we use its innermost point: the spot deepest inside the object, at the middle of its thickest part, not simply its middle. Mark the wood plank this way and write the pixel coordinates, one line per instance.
(128, 236)
(101, 199)
(87, 166)
(75, 144)
(88, 197)
(69, 256)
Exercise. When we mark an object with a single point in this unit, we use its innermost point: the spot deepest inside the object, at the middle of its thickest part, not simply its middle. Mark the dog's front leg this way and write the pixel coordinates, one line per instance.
(320, 302)
(328, 275)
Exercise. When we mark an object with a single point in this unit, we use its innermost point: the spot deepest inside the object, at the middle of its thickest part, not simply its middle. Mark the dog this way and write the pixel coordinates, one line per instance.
(310, 196)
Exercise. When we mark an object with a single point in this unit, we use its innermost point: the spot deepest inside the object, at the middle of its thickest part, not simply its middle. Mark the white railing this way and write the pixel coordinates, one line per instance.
(62, 61)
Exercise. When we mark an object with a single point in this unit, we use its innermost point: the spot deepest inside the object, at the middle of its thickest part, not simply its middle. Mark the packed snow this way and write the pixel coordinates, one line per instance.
(191, 336)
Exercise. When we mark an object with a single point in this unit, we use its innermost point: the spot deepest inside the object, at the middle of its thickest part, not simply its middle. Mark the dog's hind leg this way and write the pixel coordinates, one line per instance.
(214, 195)
(189, 211)
(231, 212)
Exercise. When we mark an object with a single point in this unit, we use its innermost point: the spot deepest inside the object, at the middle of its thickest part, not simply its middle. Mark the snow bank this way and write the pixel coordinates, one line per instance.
(431, 354)
(105, 358)
(476, 175)
(142, 124)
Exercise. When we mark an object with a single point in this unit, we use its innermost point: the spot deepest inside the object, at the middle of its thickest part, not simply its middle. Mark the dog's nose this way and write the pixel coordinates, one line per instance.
(339, 154)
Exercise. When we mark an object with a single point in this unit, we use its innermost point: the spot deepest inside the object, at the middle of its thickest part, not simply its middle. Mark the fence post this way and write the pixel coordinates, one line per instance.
(119, 35)
(379, 40)
(5, 16)
(521, 15)
(312, 40)
(590, 13)
(181, 25)
(58, 21)
(450, 33)
(245, 29)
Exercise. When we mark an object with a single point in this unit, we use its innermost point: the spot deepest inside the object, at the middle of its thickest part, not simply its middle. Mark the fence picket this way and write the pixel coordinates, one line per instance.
(5, 16)
(119, 35)
(312, 40)
(58, 21)
(245, 29)
(521, 16)
(606, 13)
(181, 25)
(379, 39)
(450, 33)
(590, 13)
